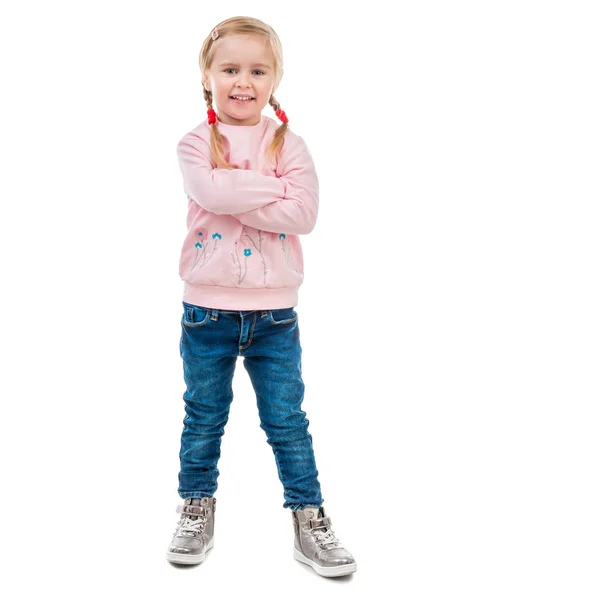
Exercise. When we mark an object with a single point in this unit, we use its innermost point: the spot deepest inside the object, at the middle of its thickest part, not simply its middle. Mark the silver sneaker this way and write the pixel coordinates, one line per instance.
(316, 544)
(194, 535)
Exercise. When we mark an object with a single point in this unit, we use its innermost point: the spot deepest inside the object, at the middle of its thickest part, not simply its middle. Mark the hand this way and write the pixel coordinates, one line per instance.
(245, 165)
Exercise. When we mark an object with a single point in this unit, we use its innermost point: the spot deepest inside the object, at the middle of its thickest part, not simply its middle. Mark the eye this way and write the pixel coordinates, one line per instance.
(233, 69)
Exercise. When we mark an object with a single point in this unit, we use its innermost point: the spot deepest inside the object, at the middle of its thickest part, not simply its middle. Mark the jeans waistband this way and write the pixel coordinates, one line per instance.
(214, 312)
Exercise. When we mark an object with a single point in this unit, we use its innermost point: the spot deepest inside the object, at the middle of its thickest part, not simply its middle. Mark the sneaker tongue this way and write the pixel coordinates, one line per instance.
(318, 515)
(312, 512)
(194, 502)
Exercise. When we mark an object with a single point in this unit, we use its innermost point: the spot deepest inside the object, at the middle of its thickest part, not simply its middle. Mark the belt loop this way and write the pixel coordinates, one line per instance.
(214, 314)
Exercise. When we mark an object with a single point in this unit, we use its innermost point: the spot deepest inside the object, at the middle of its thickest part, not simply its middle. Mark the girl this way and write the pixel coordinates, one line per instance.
(252, 188)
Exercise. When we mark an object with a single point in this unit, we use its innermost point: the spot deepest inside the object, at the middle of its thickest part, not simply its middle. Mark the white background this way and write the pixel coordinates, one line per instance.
(446, 314)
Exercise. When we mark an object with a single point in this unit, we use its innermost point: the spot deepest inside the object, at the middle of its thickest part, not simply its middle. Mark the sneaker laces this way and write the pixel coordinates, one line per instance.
(190, 526)
(326, 538)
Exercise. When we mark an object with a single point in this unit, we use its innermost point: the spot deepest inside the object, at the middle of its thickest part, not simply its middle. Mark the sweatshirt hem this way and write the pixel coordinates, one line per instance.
(238, 298)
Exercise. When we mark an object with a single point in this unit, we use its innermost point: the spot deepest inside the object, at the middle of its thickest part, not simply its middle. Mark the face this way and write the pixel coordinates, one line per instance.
(242, 66)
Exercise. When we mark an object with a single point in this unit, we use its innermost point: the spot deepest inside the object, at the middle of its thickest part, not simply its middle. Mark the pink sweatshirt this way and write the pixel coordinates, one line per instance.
(242, 250)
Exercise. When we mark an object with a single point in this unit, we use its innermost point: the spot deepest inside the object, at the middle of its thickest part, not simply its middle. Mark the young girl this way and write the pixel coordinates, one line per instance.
(252, 189)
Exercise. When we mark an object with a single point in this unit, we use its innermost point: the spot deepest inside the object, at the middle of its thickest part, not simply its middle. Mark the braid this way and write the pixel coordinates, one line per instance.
(216, 139)
(279, 135)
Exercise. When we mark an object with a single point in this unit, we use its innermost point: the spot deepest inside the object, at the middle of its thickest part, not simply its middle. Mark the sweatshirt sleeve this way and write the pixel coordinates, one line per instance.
(223, 191)
(297, 211)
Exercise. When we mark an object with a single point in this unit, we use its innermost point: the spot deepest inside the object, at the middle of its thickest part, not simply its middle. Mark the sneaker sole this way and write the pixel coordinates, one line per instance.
(189, 559)
(336, 571)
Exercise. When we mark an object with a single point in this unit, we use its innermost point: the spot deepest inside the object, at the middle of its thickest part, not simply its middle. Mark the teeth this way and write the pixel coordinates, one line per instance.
(241, 97)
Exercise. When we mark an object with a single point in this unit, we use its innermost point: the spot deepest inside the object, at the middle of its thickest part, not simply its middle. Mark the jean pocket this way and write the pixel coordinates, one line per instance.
(282, 316)
(195, 316)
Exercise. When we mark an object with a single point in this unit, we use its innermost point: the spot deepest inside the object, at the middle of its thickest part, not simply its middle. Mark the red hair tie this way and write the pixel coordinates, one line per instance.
(282, 116)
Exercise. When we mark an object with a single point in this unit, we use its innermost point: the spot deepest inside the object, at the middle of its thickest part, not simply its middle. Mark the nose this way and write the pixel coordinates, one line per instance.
(243, 81)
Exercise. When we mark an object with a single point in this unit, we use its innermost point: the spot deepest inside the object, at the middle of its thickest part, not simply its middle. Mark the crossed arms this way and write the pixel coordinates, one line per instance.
(284, 204)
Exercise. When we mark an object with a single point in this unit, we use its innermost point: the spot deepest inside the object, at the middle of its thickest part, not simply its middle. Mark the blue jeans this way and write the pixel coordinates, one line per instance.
(211, 341)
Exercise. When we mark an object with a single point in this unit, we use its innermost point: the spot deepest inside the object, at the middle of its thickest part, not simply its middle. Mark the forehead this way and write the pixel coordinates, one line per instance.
(243, 49)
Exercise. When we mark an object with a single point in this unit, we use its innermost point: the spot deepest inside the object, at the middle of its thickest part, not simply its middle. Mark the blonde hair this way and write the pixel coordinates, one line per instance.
(242, 26)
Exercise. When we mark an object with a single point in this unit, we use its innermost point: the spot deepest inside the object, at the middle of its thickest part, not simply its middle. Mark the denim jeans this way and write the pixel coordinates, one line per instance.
(268, 341)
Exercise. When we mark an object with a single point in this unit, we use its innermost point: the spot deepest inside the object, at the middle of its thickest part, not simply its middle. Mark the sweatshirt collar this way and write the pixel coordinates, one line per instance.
(226, 128)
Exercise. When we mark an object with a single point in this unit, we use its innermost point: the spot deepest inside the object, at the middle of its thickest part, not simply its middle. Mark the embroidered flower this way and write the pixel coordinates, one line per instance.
(202, 256)
(250, 245)
(287, 250)
(243, 241)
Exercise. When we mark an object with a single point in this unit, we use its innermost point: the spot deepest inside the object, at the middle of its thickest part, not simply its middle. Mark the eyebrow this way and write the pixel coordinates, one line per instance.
(236, 64)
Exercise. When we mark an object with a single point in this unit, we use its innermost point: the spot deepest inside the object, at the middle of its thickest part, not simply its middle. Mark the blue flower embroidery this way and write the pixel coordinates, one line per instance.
(202, 257)
(286, 247)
